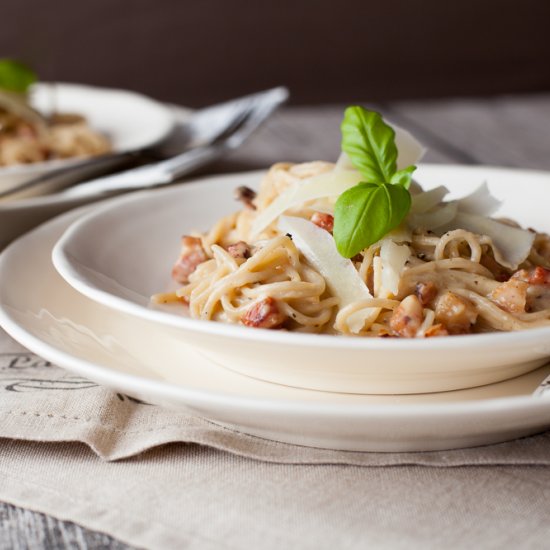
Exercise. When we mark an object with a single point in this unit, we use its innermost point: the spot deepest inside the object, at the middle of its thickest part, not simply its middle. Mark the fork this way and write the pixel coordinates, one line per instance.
(209, 134)
(249, 113)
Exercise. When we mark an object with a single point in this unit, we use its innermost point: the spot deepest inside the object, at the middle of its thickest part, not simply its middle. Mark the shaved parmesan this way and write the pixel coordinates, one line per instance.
(334, 183)
(426, 200)
(343, 163)
(410, 151)
(401, 234)
(319, 248)
(440, 215)
(323, 185)
(393, 257)
(427, 211)
(511, 244)
(377, 276)
(480, 202)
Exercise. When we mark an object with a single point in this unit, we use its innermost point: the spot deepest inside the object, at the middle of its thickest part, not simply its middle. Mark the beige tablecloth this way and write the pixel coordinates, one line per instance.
(161, 479)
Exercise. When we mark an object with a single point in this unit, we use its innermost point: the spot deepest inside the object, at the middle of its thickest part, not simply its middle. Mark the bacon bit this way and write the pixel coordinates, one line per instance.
(426, 292)
(456, 314)
(407, 318)
(26, 131)
(246, 195)
(239, 250)
(537, 276)
(499, 273)
(192, 254)
(370, 280)
(436, 330)
(511, 295)
(264, 314)
(323, 220)
(521, 275)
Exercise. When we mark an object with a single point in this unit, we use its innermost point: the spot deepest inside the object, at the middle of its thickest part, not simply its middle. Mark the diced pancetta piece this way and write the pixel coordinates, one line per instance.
(426, 292)
(264, 314)
(499, 272)
(407, 317)
(323, 220)
(455, 313)
(239, 250)
(246, 196)
(511, 295)
(192, 254)
(537, 276)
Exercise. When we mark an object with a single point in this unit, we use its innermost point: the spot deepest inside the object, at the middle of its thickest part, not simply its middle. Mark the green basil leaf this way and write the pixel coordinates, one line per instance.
(403, 177)
(15, 76)
(370, 144)
(365, 213)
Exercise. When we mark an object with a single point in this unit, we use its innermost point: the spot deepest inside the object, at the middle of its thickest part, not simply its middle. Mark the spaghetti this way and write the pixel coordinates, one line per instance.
(25, 140)
(418, 281)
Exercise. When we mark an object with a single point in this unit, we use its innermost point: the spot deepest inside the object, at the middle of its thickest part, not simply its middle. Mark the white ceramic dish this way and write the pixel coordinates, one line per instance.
(18, 216)
(121, 254)
(130, 120)
(151, 362)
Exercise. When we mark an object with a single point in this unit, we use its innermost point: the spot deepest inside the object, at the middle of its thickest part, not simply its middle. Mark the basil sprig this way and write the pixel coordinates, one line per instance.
(15, 76)
(372, 208)
(366, 212)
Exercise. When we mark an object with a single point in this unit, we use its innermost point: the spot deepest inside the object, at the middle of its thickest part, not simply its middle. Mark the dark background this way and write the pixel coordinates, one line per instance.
(198, 51)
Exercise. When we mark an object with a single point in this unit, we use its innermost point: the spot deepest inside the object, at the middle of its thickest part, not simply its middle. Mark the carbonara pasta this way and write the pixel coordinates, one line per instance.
(28, 136)
(24, 141)
(448, 269)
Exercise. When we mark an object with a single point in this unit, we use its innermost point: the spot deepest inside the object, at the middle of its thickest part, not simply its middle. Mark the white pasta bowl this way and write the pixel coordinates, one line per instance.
(129, 120)
(121, 253)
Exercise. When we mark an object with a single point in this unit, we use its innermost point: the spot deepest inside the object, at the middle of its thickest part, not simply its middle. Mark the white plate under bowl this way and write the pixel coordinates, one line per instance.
(131, 121)
(147, 360)
(121, 254)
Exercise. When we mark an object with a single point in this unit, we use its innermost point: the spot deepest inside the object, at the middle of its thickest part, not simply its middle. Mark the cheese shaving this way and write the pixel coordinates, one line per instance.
(324, 185)
(393, 257)
(511, 245)
(318, 247)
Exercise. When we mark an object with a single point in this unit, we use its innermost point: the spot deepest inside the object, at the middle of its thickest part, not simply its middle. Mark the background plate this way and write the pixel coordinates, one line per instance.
(131, 121)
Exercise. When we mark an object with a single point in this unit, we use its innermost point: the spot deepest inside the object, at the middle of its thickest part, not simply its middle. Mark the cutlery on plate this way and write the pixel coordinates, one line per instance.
(207, 135)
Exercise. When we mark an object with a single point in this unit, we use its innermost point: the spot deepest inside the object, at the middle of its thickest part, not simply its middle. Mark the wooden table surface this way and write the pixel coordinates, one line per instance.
(503, 131)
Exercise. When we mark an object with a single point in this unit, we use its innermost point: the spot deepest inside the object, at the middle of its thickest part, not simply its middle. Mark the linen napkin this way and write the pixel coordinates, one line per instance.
(166, 479)
(198, 498)
(42, 402)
